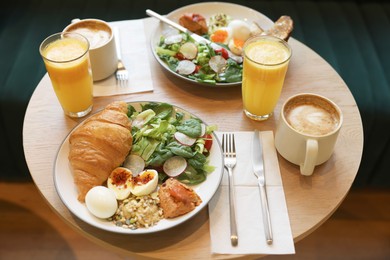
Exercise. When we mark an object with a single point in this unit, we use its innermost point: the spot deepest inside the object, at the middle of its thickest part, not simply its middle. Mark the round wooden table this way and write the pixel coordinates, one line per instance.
(310, 200)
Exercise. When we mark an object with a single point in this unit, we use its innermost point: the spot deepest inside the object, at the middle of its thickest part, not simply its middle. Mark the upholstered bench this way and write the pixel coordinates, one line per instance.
(353, 36)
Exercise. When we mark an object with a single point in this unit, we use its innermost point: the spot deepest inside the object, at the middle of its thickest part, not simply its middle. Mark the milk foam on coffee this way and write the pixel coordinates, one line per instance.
(315, 117)
(96, 33)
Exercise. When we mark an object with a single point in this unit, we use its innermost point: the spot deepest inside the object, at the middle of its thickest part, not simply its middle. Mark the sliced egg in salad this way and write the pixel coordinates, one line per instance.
(119, 182)
(145, 183)
(221, 35)
(236, 46)
(239, 30)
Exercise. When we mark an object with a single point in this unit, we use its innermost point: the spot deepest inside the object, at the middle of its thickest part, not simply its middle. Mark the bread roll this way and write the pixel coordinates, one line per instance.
(99, 145)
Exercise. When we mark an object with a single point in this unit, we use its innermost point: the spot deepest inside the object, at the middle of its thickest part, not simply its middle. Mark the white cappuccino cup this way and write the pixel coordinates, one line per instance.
(102, 52)
(307, 130)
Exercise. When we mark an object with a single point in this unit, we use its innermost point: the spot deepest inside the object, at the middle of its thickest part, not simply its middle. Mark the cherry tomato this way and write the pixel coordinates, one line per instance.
(223, 53)
(197, 68)
(208, 142)
(180, 56)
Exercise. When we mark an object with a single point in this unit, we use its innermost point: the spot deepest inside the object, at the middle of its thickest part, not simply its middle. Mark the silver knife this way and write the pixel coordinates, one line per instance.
(196, 37)
(258, 169)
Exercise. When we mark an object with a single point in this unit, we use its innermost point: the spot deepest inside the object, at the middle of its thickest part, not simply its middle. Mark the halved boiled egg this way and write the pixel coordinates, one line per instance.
(119, 182)
(240, 30)
(236, 46)
(221, 35)
(101, 202)
(145, 183)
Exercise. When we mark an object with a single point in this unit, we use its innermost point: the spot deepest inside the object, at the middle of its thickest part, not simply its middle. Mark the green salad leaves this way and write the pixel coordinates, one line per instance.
(160, 133)
(175, 49)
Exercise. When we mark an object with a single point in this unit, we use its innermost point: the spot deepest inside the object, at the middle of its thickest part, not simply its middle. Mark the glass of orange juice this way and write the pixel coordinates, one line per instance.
(66, 57)
(265, 65)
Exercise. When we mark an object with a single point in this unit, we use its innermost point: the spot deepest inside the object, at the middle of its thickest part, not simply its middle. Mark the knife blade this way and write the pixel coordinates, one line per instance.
(258, 169)
(194, 36)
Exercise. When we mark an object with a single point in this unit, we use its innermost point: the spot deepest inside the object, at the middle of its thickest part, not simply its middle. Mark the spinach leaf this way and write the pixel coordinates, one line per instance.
(130, 110)
(190, 127)
(160, 155)
(181, 150)
(163, 111)
(191, 176)
(197, 161)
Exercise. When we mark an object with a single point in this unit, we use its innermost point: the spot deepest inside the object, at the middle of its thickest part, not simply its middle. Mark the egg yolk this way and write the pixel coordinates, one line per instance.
(143, 179)
(238, 43)
(120, 177)
(219, 36)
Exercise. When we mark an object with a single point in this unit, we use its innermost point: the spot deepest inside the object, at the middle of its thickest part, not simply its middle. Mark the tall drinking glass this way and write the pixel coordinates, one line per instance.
(266, 61)
(67, 62)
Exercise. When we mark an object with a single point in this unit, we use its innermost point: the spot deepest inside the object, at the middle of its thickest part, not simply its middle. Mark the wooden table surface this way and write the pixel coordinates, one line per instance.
(310, 200)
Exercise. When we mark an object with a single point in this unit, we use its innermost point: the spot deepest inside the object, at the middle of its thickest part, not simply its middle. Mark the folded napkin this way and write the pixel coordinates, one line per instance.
(135, 57)
(251, 236)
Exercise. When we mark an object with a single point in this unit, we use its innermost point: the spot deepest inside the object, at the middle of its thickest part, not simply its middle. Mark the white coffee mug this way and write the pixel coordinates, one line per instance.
(102, 52)
(307, 130)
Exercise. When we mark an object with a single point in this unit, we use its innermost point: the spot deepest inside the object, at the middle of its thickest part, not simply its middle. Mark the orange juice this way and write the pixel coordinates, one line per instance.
(264, 69)
(67, 64)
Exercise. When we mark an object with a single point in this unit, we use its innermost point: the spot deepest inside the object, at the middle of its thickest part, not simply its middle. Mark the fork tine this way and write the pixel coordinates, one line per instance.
(229, 143)
(223, 144)
(234, 146)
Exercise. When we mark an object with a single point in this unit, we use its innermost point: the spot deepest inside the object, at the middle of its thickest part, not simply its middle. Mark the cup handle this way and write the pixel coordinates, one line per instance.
(307, 167)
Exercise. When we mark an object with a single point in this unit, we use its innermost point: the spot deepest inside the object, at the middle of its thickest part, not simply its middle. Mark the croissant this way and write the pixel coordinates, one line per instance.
(98, 146)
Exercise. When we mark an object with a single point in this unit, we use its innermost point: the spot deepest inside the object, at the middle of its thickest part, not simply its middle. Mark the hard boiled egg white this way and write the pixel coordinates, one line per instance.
(145, 183)
(119, 182)
(101, 202)
(240, 30)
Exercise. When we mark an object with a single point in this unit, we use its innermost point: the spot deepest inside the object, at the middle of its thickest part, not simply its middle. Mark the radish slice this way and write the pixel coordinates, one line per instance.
(184, 139)
(134, 163)
(217, 63)
(185, 67)
(175, 166)
(203, 129)
(189, 50)
(176, 38)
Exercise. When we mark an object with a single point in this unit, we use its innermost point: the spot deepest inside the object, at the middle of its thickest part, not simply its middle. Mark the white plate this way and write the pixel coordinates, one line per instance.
(208, 9)
(66, 189)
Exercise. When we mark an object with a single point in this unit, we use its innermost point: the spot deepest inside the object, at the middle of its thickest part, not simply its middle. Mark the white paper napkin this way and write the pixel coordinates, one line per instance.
(251, 236)
(135, 57)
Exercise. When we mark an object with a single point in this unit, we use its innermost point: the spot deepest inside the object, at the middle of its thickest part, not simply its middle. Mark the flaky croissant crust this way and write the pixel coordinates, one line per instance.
(99, 145)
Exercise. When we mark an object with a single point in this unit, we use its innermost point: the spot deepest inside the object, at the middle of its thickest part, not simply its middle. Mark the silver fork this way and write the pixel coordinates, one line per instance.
(229, 153)
(122, 75)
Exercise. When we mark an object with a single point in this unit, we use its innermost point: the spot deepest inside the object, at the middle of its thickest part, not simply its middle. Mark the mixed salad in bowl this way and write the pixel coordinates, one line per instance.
(198, 61)
(201, 62)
